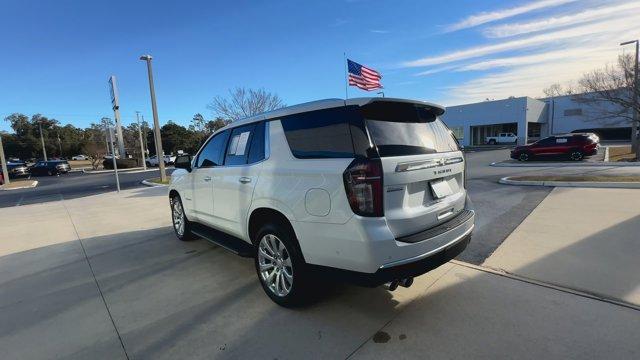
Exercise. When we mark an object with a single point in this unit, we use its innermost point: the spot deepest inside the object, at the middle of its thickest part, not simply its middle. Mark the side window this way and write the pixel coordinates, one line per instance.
(238, 148)
(213, 152)
(319, 134)
(547, 141)
(256, 150)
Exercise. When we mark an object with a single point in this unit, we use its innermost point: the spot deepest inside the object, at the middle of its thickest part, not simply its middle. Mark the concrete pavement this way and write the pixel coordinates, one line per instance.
(585, 239)
(130, 289)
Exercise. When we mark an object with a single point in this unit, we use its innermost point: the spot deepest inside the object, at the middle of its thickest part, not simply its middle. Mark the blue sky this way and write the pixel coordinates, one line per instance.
(57, 55)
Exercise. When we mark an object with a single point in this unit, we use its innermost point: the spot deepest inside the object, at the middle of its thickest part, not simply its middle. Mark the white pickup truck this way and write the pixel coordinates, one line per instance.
(153, 160)
(502, 138)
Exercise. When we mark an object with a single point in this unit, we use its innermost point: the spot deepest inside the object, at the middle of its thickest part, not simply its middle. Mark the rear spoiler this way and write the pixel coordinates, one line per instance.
(391, 109)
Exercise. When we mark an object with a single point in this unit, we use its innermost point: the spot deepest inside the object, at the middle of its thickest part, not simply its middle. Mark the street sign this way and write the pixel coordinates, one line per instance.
(113, 90)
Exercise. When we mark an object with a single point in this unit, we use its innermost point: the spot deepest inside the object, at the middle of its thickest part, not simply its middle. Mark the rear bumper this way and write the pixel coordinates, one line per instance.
(414, 267)
(368, 247)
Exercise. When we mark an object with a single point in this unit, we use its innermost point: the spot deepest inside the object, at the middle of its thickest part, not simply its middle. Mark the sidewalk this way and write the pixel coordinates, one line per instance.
(130, 289)
(585, 239)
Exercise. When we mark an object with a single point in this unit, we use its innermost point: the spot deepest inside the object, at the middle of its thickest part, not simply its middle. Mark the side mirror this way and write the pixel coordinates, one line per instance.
(183, 162)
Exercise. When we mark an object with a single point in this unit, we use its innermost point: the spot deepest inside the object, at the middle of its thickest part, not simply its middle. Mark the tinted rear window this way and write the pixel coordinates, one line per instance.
(399, 129)
(321, 134)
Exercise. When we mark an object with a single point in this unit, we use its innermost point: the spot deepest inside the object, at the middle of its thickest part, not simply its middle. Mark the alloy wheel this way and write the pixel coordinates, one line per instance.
(576, 155)
(276, 269)
(524, 157)
(178, 216)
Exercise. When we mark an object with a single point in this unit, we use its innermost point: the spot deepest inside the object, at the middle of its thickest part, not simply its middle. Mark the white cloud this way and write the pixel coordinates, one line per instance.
(528, 78)
(506, 30)
(375, 31)
(437, 70)
(486, 17)
(538, 58)
(580, 33)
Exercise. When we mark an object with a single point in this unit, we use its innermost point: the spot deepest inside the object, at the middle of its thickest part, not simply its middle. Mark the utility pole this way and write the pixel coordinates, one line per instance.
(109, 131)
(5, 172)
(156, 123)
(44, 151)
(144, 163)
(144, 130)
(634, 92)
(106, 120)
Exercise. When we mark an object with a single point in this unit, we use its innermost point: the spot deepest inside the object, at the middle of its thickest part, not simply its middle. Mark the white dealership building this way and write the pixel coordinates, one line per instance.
(530, 119)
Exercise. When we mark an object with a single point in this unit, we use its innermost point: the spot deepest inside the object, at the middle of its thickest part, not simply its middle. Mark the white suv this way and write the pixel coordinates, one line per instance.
(370, 190)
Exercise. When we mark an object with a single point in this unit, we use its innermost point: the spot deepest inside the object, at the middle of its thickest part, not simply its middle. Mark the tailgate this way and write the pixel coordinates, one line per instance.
(422, 191)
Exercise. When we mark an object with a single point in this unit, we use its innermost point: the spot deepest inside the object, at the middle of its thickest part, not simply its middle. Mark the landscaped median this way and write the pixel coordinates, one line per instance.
(19, 184)
(621, 181)
(156, 182)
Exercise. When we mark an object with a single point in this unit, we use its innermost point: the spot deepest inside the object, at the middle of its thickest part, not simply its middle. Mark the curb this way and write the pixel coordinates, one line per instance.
(34, 184)
(132, 170)
(578, 184)
(568, 164)
(151, 184)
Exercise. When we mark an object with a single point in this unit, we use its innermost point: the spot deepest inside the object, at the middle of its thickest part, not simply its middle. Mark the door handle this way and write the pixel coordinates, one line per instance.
(244, 180)
(207, 178)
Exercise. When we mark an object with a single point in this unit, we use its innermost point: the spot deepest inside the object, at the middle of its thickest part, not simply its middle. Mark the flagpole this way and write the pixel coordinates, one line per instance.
(346, 77)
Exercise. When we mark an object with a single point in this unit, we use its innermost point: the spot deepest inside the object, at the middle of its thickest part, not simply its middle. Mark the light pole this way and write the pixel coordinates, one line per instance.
(44, 151)
(156, 123)
(106, 120)
(5, 173)
(60, 145)
(144, 162)
(635, 90)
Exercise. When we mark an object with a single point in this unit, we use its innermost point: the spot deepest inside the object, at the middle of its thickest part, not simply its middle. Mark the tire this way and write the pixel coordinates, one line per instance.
(284, 276)
(181, 225)
(492, 142)
(524, 156)
(576, 155)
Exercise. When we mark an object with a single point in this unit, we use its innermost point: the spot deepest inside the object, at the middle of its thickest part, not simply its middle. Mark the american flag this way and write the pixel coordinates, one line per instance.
(363, 77)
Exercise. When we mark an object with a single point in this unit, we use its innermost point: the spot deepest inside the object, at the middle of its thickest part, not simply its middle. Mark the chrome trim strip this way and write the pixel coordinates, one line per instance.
(427, 164)
(427, 254)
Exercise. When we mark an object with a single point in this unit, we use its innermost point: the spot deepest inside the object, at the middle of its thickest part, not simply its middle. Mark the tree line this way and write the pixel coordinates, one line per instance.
(65, 141)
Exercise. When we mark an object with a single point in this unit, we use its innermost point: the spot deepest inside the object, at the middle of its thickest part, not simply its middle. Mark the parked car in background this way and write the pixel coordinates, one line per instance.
(51, 167)
(573, 146)
(153, 160)
(80, 157)
(17, 169)
(368, 190)
(502, 138)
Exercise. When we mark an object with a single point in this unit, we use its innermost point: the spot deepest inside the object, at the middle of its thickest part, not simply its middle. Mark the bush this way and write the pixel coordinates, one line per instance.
(121, 163)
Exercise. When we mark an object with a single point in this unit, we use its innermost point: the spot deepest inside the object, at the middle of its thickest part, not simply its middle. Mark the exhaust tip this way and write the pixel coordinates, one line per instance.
(391, 286)
(406, 282)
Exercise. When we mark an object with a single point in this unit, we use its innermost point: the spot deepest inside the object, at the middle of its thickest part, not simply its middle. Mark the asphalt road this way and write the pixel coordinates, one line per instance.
(72, 185)
(500, 208)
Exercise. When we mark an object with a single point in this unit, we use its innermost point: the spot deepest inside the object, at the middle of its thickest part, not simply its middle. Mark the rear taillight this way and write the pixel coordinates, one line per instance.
(363, 184)
(464, 171)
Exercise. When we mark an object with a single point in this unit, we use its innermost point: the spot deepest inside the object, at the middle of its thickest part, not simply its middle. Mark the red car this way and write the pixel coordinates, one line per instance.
(574, 146)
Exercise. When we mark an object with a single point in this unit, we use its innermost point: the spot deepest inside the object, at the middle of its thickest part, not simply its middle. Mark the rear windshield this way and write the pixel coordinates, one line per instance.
(399, 129)
(396, 129)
